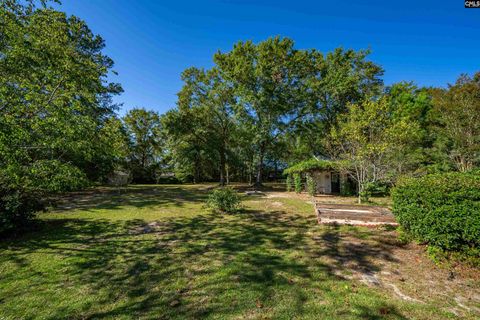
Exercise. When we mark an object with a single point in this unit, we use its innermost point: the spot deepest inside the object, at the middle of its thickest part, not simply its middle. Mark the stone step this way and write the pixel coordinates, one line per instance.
(354, 215)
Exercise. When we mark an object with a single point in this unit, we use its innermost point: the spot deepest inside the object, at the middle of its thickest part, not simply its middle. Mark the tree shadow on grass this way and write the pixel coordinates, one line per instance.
(136, 196)
(196, 267)
(345, 250)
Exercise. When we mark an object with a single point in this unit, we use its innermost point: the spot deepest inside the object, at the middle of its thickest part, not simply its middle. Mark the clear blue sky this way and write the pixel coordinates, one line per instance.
(428, 42)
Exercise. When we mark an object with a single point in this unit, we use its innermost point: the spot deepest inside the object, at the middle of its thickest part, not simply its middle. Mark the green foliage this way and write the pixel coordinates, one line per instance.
(55, 108)
(17, 208)
(144, 132)
(366, 192)
(373, 189)
(297, 178)
(289, 183)
(167, 180)
(202, 129)
(347, 187)
(18, 204)
(369, 142)
(54, 176)
(442, 210)
(456, 123)
(278, 87)
(311, 185)
(266, 81)
(54, 93)
(224, 200)
(257, 101)
(403, 236)
(24, 189)
(310, 165)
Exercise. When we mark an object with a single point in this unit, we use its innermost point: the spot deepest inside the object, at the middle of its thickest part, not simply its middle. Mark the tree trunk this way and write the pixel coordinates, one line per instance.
(196, 172)
(258, 181)
(222, 166)
(228, 175)
(250, 170)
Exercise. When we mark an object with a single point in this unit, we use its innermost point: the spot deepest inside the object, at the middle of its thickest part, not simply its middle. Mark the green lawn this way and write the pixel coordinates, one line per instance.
(154, 252)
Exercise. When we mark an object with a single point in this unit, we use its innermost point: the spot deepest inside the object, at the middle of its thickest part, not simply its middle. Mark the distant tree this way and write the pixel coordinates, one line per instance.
(192, 144)
(188, 144)
(333, 81)
(456, 116)
(408, 103)
(365, 140)
(268, 83)
(207, 95)
(144, 130)
(342, 77)
(114, 140)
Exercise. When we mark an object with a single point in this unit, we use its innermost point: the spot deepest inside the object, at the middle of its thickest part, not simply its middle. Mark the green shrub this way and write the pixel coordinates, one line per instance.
(347, 187)
(18, 204)
(442, 210)
(311, 185)
(25, 189)
(403, 236)
(298, 182)
(378, 189)
(373, 189)
(289, 183)
(366, 193)
(17, 209)
(224, 200)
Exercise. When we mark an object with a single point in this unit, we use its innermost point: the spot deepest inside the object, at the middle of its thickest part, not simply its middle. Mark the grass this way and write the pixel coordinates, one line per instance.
(154, 252)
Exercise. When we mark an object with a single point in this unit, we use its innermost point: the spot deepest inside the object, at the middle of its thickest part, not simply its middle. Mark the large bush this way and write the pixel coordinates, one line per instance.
(25, 189)
(17, 208)
(442, 210)
(224, 200)
(18, 204)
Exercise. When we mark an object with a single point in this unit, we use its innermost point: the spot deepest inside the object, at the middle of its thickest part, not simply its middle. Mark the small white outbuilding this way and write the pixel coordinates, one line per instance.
(327, 179)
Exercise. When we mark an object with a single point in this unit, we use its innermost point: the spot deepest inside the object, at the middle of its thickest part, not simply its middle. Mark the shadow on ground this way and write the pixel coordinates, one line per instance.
(136, 196)
(250, 265)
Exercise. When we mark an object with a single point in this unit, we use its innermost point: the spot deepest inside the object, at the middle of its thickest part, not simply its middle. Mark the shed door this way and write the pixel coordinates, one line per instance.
(335, 182)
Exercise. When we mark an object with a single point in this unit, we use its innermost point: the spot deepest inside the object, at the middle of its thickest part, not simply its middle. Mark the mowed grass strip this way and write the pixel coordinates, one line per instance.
(155, 252)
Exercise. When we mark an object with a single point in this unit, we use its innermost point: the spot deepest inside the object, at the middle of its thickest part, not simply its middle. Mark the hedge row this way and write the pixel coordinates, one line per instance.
(442, 210)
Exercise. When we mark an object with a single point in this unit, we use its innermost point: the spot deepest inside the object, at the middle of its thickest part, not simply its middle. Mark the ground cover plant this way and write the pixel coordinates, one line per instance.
(225, 200)
(151, 252)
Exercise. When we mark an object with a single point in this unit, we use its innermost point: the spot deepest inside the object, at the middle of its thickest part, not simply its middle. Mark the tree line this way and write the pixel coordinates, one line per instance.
(268, 105)
(259, 108)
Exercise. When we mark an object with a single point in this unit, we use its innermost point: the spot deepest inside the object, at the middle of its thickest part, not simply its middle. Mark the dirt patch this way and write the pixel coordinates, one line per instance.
(377, 259)
(273, 195)
(415, 278)
(151, 227)
(276, 204)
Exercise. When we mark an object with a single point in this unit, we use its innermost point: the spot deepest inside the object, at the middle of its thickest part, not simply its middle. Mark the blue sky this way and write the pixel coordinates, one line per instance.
(152, 42)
